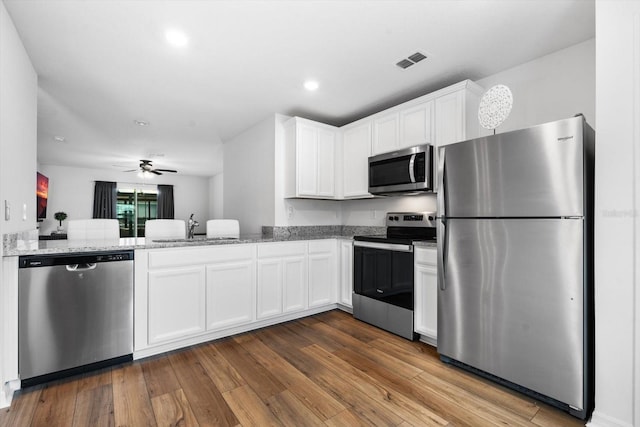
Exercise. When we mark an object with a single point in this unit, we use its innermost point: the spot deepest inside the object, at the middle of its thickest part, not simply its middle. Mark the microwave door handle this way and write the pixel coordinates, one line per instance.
(412, 174)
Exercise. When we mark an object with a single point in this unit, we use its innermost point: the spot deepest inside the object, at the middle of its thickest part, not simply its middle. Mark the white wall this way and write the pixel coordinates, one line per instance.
(249, 177)
(18, 145)
(71, 190)
(216, 196)
(18, 139)
(552, 87)
(617, 227)
(371, 212)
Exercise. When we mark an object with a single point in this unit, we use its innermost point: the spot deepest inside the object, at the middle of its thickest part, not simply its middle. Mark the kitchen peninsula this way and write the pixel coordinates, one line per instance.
(189, 291)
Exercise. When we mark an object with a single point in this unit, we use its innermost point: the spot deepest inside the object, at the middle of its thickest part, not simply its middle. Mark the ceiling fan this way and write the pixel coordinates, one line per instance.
(146, 166)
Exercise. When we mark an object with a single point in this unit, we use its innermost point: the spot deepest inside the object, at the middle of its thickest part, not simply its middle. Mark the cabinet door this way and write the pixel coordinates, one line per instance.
(325, 166)
(176, 303)
(230, 294)
(346, 272)
(356, 152)
(269, 291)
(426, 294)
(307, 160)
(323, 275)
(449, 118)
(385, 135)
(294, 284)
(450, 123)
(416, 125)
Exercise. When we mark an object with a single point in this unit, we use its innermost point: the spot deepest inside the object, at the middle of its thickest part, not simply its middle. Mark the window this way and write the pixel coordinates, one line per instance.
(133, 209)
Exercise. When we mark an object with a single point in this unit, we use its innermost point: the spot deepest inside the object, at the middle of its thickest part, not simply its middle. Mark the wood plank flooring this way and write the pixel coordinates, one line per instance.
(324, 370)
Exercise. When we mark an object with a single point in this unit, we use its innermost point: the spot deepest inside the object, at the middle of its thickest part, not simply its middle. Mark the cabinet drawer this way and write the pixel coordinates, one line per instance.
(426, 256)
(199, 255)
(278, 250)
(322, 246)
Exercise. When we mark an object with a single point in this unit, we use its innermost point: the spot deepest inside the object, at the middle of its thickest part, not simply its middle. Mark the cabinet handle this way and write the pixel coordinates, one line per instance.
(81, 267)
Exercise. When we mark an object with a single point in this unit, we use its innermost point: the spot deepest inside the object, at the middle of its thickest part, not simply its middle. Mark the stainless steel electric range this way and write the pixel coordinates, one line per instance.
(383, 272)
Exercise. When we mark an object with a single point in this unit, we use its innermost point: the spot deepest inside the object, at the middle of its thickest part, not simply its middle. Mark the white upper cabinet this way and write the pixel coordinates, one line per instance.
(310, 149)
(416, 125)
(456, 117)
(356, 149)
(385, 133)
(450, 125)
(324, 162)
(408, 126)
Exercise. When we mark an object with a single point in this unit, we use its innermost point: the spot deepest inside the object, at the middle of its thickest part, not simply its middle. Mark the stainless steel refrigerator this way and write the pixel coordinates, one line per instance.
(515, 260)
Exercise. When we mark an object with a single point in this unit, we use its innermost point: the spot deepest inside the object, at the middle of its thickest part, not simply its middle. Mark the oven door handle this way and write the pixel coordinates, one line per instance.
(384, 246)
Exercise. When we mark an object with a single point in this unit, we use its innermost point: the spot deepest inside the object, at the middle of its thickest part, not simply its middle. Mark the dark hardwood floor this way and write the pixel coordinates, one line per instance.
(324, 370)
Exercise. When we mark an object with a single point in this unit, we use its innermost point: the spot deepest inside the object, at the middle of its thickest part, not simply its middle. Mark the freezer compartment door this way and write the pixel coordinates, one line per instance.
(535, 172)
(510, 302)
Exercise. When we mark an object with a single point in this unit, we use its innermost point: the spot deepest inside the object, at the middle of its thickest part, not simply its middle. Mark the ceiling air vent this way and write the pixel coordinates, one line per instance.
(417, 57)
(405, 63)
(411, 60)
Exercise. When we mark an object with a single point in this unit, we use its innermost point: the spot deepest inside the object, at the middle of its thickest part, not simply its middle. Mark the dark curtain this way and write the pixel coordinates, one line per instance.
(165, 202)
(105, 199)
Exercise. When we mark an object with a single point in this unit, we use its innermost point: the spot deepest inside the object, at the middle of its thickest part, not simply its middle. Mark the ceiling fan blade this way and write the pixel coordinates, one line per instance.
(131, 170)
(167, 170)
(155, 171)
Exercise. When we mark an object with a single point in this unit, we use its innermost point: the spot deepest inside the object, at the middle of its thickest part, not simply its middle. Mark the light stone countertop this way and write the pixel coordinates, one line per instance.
(44, 247)
(426, 244)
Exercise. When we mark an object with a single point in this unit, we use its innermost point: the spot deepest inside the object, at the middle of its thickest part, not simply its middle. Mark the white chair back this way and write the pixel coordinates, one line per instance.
(93, 229)
(229, 228)
(155, 229)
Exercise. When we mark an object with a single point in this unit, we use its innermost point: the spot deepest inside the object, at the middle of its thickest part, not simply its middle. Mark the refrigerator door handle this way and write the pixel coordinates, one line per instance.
(442, 248)
(442, 193)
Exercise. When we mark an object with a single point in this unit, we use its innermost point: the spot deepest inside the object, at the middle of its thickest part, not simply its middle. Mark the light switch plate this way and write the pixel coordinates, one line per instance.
(7, 210)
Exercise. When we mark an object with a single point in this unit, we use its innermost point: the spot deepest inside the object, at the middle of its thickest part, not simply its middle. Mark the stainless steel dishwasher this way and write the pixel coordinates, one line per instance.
(75, 313)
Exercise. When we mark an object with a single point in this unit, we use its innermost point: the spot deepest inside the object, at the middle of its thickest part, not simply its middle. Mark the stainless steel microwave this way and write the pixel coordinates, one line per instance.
(403, 171)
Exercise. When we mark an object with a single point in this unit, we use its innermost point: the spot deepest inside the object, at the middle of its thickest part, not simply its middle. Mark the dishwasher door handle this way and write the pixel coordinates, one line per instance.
(82, 267)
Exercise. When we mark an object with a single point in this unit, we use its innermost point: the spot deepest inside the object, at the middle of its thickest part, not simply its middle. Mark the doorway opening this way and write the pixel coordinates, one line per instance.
(134, 207)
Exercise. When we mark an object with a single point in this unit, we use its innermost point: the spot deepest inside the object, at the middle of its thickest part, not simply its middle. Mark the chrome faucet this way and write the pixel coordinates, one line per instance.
(191, 225)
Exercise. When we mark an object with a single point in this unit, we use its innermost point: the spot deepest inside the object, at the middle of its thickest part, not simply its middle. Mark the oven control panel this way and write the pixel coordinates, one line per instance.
(411, 219)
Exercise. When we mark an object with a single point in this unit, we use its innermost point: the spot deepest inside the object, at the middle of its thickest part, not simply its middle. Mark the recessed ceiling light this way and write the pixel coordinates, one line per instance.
(141, 123)
(59, 138)
(311, 85)
(176, 38)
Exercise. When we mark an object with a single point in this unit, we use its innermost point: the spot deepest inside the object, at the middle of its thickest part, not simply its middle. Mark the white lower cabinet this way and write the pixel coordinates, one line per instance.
(426, 294)
(346, 272)
(176, 303)
(230, 294)
(322, 272)
(185, 296)
(282, 278)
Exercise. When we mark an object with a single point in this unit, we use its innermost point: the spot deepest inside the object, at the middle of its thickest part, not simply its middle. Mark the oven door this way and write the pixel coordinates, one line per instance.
(384, 272)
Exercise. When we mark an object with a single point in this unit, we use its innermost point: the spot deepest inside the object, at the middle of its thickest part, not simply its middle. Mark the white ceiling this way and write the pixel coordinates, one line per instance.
(102, 64)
